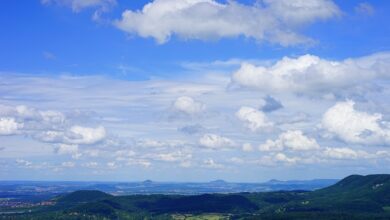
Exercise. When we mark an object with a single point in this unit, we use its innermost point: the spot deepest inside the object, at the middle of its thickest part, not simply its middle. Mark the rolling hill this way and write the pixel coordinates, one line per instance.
(83, 196)
(354, 197)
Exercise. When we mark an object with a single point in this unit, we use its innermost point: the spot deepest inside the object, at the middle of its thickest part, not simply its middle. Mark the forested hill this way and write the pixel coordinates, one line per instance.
(354, 197)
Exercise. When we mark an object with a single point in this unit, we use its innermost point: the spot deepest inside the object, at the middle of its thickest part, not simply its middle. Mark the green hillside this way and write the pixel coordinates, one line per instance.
(354, 197)
(369, 193)
(373, 187)
(83, 196)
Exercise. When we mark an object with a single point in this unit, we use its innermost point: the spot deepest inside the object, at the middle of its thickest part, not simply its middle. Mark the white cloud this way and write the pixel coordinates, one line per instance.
(78, 5)
(150, 143)
(299, 12)
(23, 112)
(124, 153)
(9, 126)
(52, 117)
(137, 107)
(355, 126)
(47, 126)
(273, 21)
(67, 149)
(112, 165)
(185, 164)
(86, 135)
(214, 141)
(344, 153)
(188, 105)
(271, 145)
(92, 152)
(210, 163)
(294, 140)
(24, 163)
(68, 164)
(310, 73)
(140, 162)
(280, 157)
(276, 160)
(90, 164)
(247, 147)
(173, 156)
(253, 118)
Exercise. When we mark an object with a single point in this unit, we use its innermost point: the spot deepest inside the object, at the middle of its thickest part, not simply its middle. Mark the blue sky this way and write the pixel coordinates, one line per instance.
(193, 90)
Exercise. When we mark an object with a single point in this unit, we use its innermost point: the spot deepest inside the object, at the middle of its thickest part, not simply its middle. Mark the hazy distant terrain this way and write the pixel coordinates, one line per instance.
(38, 190)
(354, 197)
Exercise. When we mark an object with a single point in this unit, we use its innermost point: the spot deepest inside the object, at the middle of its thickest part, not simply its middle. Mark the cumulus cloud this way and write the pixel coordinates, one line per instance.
(86, 135)
(345, 153)
(310, 73)
(188, 105)
(213, 141)
(29, 120)
(253, 119)
(277, 159)
(280, 157)
(293, 140)
(273, 21)
(73, 135)
(9, 126)
(355, 126)
(23, 112)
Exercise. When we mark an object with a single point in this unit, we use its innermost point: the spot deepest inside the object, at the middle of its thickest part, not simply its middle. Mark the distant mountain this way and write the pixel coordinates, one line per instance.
(147, 182)
(320, 182)
(30, 190)
(221, 182)
(274, 184)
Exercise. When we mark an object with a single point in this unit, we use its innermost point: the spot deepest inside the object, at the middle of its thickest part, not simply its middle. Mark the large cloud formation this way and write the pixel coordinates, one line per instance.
(310, 73)
(275, 21)
(354, 126)
(47, 126)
